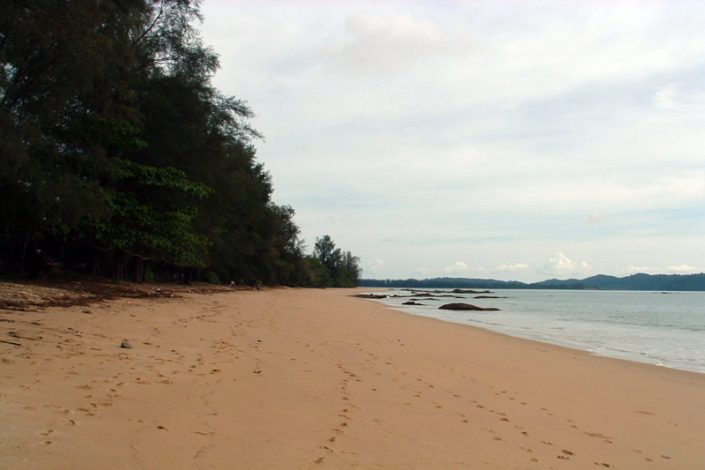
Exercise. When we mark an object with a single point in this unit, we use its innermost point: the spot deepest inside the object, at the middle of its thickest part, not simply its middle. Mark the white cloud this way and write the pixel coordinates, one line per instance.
(673, 98)
(683, 269)
(677, 269)
(639, 269)
(376, 267)
(459, 267)
(421, 271)
(384, 43)
(513, 268)
(665, 97)
(561, 265)
(595, 218)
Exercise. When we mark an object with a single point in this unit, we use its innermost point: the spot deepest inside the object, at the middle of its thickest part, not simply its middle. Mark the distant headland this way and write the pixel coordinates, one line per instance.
(644, 282)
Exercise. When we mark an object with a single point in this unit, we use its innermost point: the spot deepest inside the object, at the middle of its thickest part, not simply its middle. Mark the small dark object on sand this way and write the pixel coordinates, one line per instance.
(125, 344)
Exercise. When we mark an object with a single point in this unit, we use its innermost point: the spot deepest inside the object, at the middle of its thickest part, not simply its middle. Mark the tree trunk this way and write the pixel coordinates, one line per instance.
(139, 269)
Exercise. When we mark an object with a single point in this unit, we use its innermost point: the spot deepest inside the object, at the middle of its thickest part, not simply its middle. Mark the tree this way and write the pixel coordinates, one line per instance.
(325, 251)
(118, 156)
(342, 267)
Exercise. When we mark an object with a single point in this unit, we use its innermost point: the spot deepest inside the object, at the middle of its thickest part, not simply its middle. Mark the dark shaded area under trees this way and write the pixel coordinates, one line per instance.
(120, 159)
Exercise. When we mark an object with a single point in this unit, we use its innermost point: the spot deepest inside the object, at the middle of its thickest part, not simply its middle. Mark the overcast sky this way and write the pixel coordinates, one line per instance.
(512, 140)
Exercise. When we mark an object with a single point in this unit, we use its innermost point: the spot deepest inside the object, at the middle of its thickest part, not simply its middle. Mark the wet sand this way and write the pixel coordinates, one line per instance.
(288, 378)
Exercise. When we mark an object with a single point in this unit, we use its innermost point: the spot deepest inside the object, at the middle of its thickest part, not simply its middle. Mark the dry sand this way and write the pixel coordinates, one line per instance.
(288, 378)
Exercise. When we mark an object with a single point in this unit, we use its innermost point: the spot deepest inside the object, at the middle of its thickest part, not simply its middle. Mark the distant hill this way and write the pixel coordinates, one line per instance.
(647, 282)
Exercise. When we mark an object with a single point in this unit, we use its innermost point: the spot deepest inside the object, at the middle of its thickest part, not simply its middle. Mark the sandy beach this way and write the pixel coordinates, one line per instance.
(296, 378)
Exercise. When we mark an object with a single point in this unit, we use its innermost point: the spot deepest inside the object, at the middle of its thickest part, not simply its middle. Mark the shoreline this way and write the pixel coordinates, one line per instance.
(299, 378)
(567, 349)
(649, 354)
(555, 343)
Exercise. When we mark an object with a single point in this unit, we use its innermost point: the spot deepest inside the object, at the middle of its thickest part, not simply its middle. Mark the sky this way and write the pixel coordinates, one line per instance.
(519, 140)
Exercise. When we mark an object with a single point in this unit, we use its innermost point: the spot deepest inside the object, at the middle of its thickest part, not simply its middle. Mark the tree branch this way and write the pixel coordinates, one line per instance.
(151, 26)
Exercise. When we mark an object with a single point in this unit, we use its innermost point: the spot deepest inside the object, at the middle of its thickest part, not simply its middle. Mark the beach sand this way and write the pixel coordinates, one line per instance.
(295, 378)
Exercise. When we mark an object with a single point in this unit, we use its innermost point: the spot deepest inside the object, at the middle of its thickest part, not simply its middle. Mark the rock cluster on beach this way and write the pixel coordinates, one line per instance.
(464, 306)
(371, 296)
(435, 295)
(470, 291)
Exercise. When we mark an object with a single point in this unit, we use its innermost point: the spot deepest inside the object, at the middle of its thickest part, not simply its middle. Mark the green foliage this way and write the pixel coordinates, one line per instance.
(165, 178)
(342, 268)
(118, 156)
(212, 278)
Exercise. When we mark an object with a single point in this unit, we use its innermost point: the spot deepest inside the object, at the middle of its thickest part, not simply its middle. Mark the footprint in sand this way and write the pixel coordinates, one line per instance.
(598, 435)
(85, 411)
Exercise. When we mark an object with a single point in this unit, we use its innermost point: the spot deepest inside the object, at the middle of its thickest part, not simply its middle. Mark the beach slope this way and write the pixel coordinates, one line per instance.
(289, 378)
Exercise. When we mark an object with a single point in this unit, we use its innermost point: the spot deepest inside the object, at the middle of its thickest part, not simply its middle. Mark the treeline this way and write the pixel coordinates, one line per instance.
(119, 158)
(443, 283)
(643, 282)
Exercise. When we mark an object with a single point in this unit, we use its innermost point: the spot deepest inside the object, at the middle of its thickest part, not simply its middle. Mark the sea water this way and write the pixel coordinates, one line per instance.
(661, 328)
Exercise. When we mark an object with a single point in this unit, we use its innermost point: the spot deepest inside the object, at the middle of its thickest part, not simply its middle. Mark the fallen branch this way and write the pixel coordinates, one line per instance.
(10, 342)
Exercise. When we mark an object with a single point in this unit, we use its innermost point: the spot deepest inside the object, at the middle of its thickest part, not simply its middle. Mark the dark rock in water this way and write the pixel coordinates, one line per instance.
(370, 296)
(470, 291)
(125, 344)
(488, 297)
(411, 302)
(462, 306)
